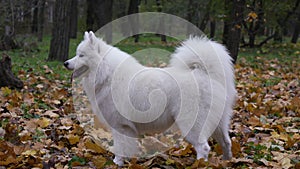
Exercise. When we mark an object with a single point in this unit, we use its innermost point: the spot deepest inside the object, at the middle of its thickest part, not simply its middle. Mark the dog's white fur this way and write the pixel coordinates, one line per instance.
(197, 65)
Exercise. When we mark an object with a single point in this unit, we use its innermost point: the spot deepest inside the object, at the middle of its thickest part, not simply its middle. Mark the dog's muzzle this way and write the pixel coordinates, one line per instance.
(66, 64)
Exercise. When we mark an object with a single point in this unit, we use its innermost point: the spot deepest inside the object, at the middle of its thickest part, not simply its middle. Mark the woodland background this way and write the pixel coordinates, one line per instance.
(39, 127)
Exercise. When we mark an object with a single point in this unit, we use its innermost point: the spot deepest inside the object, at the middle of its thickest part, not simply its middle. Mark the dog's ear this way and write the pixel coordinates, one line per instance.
(93, 41)
(86, 35)
(92, 37)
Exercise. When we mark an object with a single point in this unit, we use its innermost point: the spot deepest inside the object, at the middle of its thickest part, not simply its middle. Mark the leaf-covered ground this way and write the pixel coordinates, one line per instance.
(38, 127)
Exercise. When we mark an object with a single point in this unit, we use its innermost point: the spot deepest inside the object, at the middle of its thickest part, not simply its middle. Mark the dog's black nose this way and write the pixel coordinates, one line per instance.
(66, 64)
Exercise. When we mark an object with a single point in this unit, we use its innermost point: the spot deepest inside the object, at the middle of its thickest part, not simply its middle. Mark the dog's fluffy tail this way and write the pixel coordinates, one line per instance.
(208, 56)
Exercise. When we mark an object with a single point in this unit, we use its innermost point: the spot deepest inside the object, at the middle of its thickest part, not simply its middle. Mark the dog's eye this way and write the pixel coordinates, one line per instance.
(81, 55)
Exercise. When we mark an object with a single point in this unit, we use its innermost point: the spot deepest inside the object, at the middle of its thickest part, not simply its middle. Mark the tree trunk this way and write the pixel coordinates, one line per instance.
(59, 48)
(296, 30)
(278, 36)
(205, 19)
(90, 16)
(34, 24)
(212, 28)
(74, 19)
(41, 19)
(254, 26)
(232, 26)
(226, 22)
(133, 24)
(103, 16)
(279, 30)
(99, 13)
(121, 5)
(7, 78)
(251, 39)
(8, 42)
(161, 26)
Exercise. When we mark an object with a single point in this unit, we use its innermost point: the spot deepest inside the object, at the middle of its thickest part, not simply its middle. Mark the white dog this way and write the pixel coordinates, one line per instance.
(196, 92)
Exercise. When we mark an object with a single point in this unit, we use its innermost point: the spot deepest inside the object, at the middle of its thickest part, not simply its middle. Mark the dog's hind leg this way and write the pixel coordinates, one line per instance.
(221, 135)
(202, 148)
(125, 144)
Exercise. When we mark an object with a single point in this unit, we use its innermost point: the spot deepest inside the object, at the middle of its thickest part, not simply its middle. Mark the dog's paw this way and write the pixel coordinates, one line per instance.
(119, 161)
(202, 151)
(227, 156)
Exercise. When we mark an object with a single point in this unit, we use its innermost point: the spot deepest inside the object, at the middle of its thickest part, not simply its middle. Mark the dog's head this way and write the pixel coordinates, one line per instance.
(87, 56)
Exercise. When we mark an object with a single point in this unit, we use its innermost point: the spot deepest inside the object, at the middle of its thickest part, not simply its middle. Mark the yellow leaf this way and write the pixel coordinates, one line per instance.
(29, 153)
(170, 161)
(252, 14)
(43, 122)
(73, 139)
(5, 91)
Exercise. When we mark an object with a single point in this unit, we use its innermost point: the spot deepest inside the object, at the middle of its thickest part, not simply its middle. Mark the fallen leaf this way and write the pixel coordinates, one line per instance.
(89, 144)
(73, 139)
(99, 161)
(29, 153)
(43, 122)
(51, 114)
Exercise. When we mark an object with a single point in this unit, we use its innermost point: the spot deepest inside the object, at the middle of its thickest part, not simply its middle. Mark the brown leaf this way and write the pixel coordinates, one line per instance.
(201, 163)
(8, 160)
(90, 144)
(133, 164)
(182, 152)
(78, 130)
(290, 143)
(254, 121)
(236, 148)
(51, 114)
(99, 161)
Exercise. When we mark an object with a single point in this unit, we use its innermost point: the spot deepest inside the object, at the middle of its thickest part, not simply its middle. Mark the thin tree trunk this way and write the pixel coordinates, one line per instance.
(74, 19)
(226, 22)
(296, 30)
(134, 8)
(59, 48)
(232, 27)
(205, 19)
(121, 5)
(90, 18)
(212, 28)
(41, 19)
(282, 22)
(161, 22)
(34, 24)
(251, 39)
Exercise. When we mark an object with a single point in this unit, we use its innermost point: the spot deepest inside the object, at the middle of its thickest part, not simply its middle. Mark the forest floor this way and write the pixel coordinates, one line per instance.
(39, 127)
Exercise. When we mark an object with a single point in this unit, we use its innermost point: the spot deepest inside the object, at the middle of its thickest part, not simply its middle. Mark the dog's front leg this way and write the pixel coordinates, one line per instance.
(125, 144)
(119, 160)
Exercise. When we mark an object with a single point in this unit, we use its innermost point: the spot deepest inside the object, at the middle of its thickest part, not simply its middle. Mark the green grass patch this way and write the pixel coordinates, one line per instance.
(35, 59)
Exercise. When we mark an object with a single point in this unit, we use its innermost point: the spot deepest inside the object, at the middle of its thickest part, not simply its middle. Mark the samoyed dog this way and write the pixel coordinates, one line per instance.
(195, 92)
